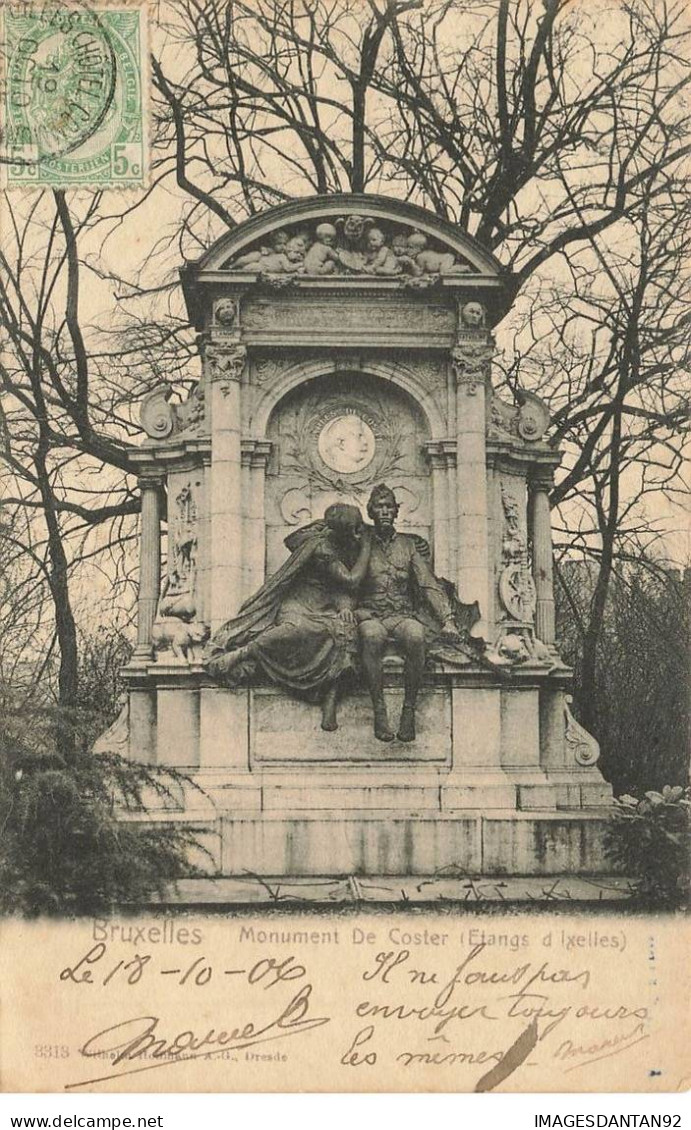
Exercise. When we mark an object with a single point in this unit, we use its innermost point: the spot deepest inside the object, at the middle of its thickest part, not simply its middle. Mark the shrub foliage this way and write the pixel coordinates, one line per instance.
(64, 850)
(650, 840)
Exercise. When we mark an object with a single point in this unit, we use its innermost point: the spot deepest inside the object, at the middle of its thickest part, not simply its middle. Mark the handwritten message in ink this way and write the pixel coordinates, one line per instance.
(342, 1003)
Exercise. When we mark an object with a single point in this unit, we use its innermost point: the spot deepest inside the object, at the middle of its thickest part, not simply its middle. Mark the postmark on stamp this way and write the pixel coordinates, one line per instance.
(74, 94)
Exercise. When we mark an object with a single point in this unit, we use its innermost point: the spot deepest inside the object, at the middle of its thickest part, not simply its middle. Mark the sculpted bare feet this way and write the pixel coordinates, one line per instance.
(406, 727)
(329, 719)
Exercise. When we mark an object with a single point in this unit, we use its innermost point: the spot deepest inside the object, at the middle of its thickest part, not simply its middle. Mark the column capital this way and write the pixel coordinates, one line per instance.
(149, 479)
(541, 479)
(471, 357)
(441, 452)
(255, 452)
(225, 361)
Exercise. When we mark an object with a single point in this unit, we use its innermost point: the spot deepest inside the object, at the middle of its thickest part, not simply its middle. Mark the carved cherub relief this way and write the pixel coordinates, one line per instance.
(429, 262)
(380, 259)
(321, 258)
(286, 257)
(353, 245)
(255, 260)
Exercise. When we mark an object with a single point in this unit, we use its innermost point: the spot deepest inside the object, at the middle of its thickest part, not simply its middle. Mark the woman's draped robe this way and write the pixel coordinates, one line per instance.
(298, 638)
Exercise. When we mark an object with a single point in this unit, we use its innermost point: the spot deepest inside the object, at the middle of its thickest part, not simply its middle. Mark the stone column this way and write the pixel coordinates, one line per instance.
(470, 360)
(541, 533)
(255, 456)
(245, 480)
(204, 547)
(225, 364)
(149, 563)
(451, 492)
(440, 504)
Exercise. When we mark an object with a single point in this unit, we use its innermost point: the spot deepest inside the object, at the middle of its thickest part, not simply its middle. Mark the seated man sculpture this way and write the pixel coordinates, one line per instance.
(347, 586)
(402, 604)
(299, 629)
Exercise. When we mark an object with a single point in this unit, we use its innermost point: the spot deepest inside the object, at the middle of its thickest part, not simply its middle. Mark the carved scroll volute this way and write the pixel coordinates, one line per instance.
(157, 415)
(533, 416)
(160, 419)
(579, 743)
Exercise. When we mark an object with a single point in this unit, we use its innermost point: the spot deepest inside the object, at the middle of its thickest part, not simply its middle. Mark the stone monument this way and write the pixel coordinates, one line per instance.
(417, 717)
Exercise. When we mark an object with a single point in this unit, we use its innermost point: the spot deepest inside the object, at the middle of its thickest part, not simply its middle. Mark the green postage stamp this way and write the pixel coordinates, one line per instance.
(74, 94)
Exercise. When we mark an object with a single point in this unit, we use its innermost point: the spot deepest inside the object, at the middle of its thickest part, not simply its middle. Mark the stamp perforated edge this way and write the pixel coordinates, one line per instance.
(142, 184)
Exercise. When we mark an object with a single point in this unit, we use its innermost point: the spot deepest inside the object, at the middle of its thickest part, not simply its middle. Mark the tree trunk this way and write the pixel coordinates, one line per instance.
(66, 629)
(359, 110)
(588, 698)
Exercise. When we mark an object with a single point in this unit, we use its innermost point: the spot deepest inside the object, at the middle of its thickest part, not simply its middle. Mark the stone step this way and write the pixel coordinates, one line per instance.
(290, 892)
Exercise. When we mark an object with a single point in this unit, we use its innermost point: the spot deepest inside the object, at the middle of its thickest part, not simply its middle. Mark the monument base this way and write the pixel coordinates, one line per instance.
(363, 843)
(499, 781)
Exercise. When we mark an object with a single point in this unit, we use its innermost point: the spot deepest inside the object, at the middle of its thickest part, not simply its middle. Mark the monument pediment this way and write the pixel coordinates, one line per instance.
(348, 242)
(410, 233)
(351, 244)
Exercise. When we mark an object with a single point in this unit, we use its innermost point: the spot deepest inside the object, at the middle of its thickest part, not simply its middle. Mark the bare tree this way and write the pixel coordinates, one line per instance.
(66, 413)
(534, 129)
(609, 349)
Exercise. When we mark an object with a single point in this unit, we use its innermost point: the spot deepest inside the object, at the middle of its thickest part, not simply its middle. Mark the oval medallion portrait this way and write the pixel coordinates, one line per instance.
(346, 443)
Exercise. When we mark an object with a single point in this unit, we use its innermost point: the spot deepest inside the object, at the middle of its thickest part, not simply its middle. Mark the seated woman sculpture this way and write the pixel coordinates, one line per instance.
(299, 628)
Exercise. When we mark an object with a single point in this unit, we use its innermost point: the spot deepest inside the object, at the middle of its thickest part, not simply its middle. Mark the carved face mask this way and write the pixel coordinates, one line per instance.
(473, 314)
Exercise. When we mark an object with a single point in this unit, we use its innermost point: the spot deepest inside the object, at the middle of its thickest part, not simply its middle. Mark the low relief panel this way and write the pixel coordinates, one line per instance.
(516, 585)
(342, 442)
(516, 642)
(503, 420)
(352, 245)
(177, 626)
(345, 313)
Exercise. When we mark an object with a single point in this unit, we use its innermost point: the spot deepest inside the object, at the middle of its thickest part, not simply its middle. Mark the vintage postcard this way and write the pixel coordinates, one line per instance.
(345, 574)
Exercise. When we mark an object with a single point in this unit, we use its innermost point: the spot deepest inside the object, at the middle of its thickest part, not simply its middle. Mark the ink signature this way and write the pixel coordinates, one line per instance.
(139, 1036)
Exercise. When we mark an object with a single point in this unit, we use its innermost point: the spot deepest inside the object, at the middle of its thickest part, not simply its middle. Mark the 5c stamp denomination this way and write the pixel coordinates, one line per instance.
(74, 95)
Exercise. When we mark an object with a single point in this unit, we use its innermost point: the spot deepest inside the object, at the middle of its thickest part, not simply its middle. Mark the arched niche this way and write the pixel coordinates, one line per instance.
(424, 381)
(332, 438)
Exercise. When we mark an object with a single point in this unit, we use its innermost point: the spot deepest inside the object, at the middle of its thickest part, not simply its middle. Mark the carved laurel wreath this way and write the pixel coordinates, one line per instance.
(302, 456)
